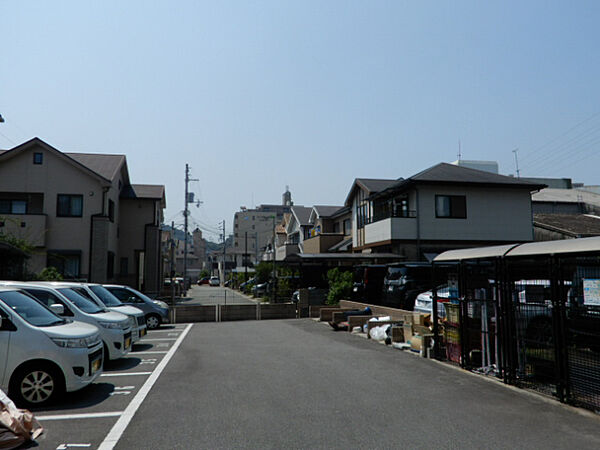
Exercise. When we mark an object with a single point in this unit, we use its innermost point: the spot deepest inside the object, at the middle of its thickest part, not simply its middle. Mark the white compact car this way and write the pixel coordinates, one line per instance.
(115, 328)
(41, 354)
(214, 281)
(105, 299)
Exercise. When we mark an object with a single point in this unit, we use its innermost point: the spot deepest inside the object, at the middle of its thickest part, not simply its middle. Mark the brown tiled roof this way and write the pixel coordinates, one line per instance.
(576, 225)
(103, 164)
(151, 191)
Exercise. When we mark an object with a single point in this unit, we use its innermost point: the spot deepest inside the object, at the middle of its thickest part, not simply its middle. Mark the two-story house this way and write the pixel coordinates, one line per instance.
(298, 227)
(445, 207)
(325, 229)
(82, 215)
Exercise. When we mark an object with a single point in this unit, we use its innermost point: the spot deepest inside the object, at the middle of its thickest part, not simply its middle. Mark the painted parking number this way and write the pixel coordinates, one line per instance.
(122, 390)
(66, 446)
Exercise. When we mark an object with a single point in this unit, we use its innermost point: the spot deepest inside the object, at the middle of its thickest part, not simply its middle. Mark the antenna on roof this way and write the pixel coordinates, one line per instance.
(517, 162)
(459, 153)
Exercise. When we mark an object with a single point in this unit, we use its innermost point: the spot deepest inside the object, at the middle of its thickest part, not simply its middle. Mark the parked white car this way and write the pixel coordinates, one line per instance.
(423, 302)
(105, 299)
(43, 355)
(114, 327)
(214, 281)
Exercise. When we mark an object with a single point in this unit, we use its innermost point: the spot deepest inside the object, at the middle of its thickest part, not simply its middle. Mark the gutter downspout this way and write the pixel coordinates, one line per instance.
(418, 224)
(101, 214)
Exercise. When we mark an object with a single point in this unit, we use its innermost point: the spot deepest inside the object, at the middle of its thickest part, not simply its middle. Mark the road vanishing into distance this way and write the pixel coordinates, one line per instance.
(298, 384)
(213, 295)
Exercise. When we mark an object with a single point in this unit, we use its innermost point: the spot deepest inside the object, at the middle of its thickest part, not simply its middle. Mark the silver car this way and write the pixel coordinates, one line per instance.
(155, 311)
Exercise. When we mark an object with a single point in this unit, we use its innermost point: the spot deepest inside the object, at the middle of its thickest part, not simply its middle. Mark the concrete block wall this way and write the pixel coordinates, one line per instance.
(196, 313)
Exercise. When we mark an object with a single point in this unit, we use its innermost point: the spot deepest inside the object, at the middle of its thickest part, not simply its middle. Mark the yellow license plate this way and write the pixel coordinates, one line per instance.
(96, 365)
(127, 342)
(142, 332)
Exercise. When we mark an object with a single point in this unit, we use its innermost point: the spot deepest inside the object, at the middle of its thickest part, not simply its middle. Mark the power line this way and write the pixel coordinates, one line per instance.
(541, 147)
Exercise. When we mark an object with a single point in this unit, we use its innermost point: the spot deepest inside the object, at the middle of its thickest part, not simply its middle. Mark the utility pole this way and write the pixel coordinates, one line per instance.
(245, 256)
(172, 249)
(274, 271)
(186, 213)
(517, 162)
(223, 252)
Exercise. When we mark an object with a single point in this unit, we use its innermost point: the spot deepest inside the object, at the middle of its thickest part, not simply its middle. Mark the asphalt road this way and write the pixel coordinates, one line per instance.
(298, 384)
(213, 295)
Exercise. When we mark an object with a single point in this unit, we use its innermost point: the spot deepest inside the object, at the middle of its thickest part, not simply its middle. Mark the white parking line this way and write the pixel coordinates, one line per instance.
(175, 330)
(80, 416)
(148, 352)
(159, 339)
(119, 428)
(124, 374)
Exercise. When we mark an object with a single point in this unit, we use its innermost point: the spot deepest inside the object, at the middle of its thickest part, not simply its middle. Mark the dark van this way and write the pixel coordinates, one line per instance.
(368, 280)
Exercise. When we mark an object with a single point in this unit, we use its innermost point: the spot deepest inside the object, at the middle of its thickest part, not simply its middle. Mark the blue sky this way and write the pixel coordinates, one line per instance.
(257, 95)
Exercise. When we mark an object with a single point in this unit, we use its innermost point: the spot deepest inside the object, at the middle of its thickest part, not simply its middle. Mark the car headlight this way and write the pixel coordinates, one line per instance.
(132, 321)
(161, 304)
(112, 325)
(76, 342)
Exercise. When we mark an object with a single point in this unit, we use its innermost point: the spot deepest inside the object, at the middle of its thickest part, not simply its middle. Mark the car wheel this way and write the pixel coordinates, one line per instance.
(152, 322)
(37, 384)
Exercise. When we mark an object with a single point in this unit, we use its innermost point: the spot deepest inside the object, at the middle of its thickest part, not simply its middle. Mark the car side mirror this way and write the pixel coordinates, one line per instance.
(58, 309)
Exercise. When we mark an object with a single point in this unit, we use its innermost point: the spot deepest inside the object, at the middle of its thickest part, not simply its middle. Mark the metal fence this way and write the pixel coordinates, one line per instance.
(534, 322)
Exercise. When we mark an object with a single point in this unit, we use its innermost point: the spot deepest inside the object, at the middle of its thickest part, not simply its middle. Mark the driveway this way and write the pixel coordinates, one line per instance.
(298, 384)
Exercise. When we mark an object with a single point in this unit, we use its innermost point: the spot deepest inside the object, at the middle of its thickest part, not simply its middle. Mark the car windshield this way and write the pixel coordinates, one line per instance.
(394, 273)
(30, 309)
(80, 301)
(105, 296)
(140, 295)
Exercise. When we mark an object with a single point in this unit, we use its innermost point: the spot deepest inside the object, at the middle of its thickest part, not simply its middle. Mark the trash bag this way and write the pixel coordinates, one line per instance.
(379, 333)
(17, 426)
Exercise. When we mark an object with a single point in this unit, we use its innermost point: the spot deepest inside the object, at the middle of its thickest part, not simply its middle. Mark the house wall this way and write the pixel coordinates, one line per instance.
(55, 176)
(492, 214)
(134, 215)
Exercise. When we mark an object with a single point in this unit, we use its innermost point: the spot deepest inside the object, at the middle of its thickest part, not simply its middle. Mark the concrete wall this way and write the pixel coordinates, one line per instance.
(214, 313)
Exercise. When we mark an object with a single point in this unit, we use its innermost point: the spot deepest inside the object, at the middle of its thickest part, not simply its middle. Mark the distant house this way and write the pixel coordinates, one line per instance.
(441, 208)
(298, 228)
(82, 214)
(325, 229)
(360, 207)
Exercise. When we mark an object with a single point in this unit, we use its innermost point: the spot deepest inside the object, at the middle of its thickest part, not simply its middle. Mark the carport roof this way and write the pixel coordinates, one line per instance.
(494, 251)
(560, 247)
(582, 245)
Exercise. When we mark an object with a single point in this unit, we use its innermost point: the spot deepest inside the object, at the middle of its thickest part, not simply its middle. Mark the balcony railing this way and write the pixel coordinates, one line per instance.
(377, 216)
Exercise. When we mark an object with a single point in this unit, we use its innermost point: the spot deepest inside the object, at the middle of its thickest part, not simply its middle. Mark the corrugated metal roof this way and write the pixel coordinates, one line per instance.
(494, 251)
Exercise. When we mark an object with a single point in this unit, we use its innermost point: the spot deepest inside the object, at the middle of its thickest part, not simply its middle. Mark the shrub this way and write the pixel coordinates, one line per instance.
(340, 285)
(49, 274)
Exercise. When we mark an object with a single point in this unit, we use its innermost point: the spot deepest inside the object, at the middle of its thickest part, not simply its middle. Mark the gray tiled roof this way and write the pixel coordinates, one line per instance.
(104, 165)
(302, 214)
(580, 225)
(326, 210)
(375, 184)
(444, 172)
